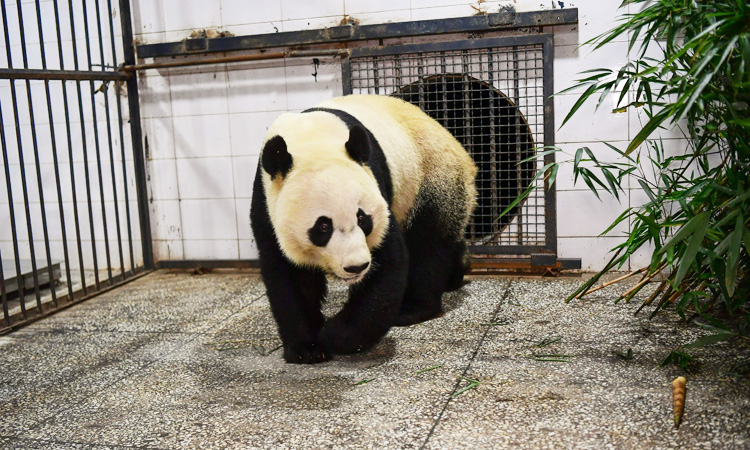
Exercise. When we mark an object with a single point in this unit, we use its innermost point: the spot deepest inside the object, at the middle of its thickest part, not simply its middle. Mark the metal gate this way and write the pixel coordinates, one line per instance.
(494, 96)
(74, 189)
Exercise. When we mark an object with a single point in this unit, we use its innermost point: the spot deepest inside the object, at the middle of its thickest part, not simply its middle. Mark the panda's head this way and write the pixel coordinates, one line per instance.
(323, 200)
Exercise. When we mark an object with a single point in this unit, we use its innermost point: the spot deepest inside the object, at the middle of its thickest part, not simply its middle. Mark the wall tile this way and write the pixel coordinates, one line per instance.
(159, 133)
(191, 14)
(594, 252)
(168, 250)
(301, 9)
(257, 87)
(205, 178)
(199, 93)
(148, 16)
(374, 18)
(211, 249)
(303, 89)
(602, 153)
(239, 12)
(311, 23)
(248, 249)
(589, 124)
(570, 61)
(244, 168)
(202, 136)
(581, 214)
(165, 219)
(356, 7)
(162, 179)
(243, 218)
(248, 131)
(154, 95)
(208, 219)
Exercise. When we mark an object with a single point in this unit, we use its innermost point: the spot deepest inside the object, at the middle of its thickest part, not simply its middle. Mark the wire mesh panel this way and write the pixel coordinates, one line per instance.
(68, 190)
(491, 95)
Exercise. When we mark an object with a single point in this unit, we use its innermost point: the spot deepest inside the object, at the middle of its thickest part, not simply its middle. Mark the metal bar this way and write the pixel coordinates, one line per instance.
(120, 126)
(105, 92)
(45, 231)
(550, 200)
(24, 189)
(349, 33)
(135, 132)
(346, 75)
(84, 149)
(9, 188)
(45, 74)
(76, 221)
(517, 132)
(97, 149)
(3, 294)
(232, 59)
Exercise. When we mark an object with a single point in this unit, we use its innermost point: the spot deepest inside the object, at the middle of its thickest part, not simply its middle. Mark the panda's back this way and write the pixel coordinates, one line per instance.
(422, 156)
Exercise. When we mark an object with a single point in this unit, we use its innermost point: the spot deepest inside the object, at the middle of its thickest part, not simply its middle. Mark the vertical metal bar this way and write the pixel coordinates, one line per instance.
(35, 148)
(11, 207)
(54, 155)
(3, 294)
(135, 131)
(70, 156)
(85, 153)
(465, 95)
(517, 140)
(50, 271)
(346, 75)
(376, 75)
(105, 92)
(550, 199)
(444, 85)
(120, 126)
(95, 119)
(14, 101)
(494, 164)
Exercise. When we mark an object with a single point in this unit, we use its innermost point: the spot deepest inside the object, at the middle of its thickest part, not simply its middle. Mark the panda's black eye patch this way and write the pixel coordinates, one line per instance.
(321, 232)
(364, 221)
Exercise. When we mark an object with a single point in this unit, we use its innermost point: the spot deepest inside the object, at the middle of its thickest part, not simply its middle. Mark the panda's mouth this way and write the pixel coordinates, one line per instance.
(350, 280)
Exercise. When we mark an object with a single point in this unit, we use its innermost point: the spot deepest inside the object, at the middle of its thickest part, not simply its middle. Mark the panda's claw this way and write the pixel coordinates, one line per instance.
(305, 353)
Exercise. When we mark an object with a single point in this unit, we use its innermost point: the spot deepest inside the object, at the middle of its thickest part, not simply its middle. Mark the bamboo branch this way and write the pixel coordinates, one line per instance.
(616, 280)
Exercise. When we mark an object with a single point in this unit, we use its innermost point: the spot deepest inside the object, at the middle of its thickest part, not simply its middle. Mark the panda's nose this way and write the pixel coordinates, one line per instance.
(356, 269)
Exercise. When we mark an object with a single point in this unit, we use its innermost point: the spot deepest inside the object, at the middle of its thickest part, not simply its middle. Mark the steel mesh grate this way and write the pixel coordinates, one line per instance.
(492, 100)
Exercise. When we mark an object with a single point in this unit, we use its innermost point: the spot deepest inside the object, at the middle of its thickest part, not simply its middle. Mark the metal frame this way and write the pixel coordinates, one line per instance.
(546, 42)
(503, 20)
(90, 28)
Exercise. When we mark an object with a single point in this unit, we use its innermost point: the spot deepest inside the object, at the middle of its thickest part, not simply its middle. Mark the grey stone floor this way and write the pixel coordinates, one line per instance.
(174, 360)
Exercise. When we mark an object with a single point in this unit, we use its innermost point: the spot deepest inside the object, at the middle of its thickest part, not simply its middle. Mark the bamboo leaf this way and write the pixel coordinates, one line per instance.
(586, 94)
(733, 258)
(692, 248)
(710, 339)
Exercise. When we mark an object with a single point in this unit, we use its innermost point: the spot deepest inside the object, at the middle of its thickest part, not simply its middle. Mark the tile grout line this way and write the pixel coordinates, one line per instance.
(468, 366)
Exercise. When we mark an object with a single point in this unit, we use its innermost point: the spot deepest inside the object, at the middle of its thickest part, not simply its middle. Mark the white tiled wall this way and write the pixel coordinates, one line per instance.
(204, 126)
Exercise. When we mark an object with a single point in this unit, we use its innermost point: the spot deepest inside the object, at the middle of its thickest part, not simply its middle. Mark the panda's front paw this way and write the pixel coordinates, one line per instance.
(302, 353)
(341, 338)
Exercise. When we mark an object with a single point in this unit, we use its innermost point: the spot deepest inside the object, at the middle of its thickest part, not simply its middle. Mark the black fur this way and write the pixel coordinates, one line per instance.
(358, 145)
(276, 159)
(321, 232)
(364, 221)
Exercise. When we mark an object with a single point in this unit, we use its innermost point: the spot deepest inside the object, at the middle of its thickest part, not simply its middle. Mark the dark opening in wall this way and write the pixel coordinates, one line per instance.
(495, 134)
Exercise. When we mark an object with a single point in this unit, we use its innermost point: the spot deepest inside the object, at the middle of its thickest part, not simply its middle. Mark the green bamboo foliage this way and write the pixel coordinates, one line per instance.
(698, 209)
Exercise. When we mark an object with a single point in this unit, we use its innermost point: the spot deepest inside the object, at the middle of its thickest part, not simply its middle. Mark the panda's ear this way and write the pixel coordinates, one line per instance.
(276, 159)
(358, 145)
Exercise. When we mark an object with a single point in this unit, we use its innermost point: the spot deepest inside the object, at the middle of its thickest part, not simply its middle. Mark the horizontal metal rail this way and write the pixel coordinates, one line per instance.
(80, 75)
(351, 32)
(237, 58)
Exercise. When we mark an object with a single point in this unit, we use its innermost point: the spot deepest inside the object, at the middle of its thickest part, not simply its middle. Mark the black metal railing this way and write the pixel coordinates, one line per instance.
(73, 169)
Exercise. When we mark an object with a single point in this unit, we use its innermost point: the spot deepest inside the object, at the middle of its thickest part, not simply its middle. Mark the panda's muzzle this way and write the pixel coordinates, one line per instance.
(357, 269)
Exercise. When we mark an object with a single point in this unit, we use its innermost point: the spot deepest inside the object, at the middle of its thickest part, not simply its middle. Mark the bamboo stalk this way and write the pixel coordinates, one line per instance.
(616, 280)
(634, 290)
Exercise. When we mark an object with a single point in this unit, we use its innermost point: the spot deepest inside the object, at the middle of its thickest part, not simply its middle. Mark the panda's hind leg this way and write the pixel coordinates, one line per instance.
(437, 263)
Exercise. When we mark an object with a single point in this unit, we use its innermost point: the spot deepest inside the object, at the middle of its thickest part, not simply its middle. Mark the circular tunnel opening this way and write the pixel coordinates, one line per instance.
(494, 132)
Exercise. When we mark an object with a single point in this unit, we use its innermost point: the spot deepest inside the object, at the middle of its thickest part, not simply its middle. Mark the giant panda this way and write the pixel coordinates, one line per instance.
(370, 190)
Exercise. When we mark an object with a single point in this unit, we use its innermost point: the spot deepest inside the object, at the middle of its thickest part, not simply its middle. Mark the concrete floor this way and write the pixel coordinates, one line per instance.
(174, 360)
